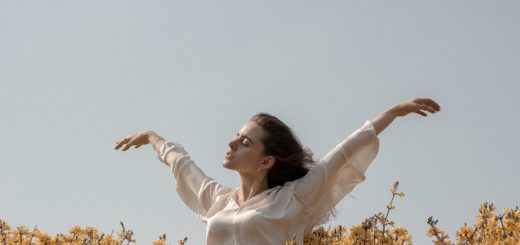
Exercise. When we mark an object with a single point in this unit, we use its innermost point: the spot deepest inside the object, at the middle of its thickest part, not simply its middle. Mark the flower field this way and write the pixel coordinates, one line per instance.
(490, 228)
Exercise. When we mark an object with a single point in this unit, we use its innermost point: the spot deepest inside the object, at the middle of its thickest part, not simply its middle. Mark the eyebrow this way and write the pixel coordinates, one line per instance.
(245, 136)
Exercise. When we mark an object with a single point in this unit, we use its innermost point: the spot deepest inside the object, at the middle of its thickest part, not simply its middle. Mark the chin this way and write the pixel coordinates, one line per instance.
(226, 164)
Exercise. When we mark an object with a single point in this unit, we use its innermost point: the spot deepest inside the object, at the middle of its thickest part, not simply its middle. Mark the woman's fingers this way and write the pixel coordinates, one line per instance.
(429, 102)
(122, 142)
(127, 146)
(133, 141)
(421, 113)
(434, 104)
(427, 108)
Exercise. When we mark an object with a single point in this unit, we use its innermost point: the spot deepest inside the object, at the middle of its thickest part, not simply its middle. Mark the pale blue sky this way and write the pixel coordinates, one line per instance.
(76, 76)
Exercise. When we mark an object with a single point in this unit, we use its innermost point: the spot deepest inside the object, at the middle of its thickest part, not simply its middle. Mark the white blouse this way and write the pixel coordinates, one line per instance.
(282, 212)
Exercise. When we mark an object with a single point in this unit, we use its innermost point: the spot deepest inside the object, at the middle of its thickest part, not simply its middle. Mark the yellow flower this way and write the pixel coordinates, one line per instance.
(510, 225)
(159, 242)
(399, 231)
(44, 238)
(75, 230)
(511, 241)
(4, 226)
(22, 230)
(465, 233)
(432, 231)
(107, 240)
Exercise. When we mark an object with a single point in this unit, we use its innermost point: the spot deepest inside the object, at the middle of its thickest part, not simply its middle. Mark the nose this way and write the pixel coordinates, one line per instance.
(232, 144)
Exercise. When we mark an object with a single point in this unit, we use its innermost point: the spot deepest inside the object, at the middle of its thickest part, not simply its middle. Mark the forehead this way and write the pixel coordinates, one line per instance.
(252, 130)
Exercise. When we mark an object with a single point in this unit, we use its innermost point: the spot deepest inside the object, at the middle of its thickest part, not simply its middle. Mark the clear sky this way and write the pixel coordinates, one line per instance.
(76, 76)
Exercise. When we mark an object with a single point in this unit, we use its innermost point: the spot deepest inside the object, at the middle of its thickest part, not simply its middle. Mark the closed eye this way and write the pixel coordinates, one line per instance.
(246, 140)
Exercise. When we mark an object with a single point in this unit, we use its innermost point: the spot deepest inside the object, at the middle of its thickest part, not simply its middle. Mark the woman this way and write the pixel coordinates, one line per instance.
(282, 194)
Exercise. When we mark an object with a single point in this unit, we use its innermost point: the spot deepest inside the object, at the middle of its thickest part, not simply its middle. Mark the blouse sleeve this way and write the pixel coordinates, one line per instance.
(336, 174)
(197, 190)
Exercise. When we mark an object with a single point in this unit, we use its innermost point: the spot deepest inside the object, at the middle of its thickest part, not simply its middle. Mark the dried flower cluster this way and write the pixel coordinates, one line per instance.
(77, 235)
(373, 230)
(489, 228)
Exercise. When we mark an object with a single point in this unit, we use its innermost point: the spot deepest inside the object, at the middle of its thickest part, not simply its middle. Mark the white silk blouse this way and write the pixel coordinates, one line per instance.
(282, 212)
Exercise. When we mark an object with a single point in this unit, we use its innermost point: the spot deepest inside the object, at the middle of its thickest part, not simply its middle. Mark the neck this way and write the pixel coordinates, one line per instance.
(251, 185)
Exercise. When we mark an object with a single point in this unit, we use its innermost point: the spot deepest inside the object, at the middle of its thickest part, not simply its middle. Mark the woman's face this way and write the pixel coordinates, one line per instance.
(245, 152)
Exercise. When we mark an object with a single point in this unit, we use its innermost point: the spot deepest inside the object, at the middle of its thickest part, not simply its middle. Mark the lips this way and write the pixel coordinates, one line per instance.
(228, 155)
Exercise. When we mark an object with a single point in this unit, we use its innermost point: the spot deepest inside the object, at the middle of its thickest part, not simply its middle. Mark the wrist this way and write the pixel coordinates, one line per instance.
(154, 139)
(393, 111)
(149, 133)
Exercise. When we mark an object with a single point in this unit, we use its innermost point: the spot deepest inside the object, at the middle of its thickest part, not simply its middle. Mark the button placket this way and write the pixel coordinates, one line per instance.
(235, 225)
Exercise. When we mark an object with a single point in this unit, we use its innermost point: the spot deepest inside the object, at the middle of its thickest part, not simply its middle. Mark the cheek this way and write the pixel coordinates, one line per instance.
(248, 155)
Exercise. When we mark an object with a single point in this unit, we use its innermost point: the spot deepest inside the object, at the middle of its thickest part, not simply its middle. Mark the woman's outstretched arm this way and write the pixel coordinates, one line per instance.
(197, 190)
(417, 105)
(344, 167)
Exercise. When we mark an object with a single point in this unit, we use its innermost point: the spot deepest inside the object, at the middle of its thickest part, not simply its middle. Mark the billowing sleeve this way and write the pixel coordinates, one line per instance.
(197, 190)
(338, 172)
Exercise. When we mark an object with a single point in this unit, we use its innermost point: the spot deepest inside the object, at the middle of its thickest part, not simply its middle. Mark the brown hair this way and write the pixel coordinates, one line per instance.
(292, 160)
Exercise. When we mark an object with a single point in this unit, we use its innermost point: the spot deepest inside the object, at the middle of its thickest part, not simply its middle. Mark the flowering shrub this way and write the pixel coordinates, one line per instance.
(77, 235)
(373, 230)
(489, 228)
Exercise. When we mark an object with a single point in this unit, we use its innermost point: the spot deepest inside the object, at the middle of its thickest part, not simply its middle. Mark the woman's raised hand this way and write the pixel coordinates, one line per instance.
(137, 140)
(417, 105)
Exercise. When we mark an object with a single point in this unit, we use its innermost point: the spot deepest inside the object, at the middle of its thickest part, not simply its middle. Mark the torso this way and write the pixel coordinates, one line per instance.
(273, 215)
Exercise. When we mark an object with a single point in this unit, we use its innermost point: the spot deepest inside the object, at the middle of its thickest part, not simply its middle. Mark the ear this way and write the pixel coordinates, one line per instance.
(268, 162)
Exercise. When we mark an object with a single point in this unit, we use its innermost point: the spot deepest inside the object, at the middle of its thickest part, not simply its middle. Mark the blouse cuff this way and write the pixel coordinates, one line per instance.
(368, 126)
(368, 149)
(170, 153)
